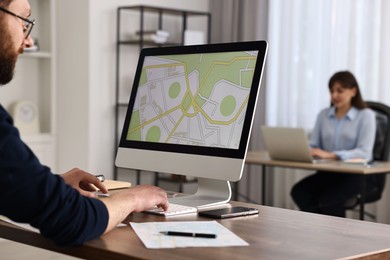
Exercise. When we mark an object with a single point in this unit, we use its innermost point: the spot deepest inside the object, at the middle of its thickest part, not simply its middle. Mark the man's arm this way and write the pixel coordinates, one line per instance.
(30, 193)
(119, 205)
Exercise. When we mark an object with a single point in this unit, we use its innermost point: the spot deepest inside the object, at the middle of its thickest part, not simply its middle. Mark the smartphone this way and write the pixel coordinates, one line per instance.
(228, 212)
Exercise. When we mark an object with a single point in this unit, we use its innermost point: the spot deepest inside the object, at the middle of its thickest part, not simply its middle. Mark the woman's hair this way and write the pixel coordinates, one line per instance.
(348, 80)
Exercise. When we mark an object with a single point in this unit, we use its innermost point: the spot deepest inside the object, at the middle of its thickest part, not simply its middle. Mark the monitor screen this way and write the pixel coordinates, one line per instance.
(191, 109)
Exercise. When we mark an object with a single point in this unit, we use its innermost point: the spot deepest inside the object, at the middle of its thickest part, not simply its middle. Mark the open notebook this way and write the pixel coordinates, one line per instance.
(112, 185)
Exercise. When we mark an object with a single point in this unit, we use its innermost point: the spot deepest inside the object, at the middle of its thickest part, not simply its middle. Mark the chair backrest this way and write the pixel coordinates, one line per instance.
(382, 138)
(380, 153)
(382, 145)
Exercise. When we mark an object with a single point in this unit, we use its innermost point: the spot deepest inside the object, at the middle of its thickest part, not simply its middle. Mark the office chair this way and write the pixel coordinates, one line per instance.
(380, 153)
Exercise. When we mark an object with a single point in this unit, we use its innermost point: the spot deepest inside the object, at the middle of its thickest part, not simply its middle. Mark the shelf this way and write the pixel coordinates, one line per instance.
(148, 43)
(35, 80)
(41, 137)
(177, 178)
(43, 146)
(36, 54)
(151, 19)
(171, 11)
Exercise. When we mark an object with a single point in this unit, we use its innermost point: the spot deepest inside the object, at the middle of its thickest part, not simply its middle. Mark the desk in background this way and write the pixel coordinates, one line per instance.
(274, 234)
(262, 158)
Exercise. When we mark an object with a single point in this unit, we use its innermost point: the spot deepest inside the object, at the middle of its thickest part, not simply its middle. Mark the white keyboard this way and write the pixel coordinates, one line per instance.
(174, 209)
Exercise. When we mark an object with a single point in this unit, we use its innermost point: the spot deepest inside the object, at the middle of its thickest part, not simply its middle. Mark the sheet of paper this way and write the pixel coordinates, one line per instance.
(22, 225)
(29, 227)
(149, 233)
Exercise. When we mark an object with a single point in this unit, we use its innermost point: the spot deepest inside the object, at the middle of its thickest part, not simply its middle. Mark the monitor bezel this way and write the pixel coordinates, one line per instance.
(239, 153)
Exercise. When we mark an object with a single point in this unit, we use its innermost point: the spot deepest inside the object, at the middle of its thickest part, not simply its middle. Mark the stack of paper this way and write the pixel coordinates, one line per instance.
(356, 161)
(158, 36)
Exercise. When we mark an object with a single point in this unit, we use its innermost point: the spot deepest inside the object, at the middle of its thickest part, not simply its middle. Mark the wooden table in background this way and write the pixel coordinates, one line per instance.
(262, 158)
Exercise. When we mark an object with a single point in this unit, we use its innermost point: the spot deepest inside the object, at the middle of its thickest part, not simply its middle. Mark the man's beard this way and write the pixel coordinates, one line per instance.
(8, 57)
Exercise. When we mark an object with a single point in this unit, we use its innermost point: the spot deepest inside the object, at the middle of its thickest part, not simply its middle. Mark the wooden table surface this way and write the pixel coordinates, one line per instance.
(273, 234)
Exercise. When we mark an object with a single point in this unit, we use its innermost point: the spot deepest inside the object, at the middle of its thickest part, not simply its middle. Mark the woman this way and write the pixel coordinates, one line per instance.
(346, 130)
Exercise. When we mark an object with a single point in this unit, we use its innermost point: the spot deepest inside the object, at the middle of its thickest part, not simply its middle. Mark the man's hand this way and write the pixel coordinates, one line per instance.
(82, 181)
(136, 199)
(144, 197)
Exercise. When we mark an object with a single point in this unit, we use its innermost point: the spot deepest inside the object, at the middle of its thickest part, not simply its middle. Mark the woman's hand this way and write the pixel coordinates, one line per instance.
(318, 153)
(83, 182)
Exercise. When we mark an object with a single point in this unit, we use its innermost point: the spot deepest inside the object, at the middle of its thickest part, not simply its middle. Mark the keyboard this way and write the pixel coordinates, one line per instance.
(174, 209)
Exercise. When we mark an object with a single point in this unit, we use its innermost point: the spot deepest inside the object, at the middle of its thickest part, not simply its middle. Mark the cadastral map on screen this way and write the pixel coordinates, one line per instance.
(197, 99)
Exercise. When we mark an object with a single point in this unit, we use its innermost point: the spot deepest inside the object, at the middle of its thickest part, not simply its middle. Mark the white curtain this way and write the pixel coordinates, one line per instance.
(308, 42)
(235, 21)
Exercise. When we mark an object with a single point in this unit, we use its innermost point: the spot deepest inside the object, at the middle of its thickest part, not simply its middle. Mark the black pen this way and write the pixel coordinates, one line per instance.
(188, 234)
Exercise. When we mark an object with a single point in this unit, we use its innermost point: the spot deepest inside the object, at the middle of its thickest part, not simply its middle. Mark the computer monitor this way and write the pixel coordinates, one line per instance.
(190, 113)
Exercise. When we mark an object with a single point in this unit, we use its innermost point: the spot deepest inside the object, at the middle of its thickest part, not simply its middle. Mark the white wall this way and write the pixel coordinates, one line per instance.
(86, 80)
(72, 86)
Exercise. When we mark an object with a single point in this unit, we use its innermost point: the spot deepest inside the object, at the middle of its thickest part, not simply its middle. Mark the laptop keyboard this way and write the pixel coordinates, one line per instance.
(173, 210)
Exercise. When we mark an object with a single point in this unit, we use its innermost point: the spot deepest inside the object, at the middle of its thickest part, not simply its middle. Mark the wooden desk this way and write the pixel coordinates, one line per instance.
(262, 158)
(274, 234)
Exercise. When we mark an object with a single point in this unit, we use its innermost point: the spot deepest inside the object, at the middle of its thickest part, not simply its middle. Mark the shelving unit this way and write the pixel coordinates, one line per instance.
(35, 80)
(148, 18)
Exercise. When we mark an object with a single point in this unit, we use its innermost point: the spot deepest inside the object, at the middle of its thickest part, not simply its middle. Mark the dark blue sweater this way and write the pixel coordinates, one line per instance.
(30, 193)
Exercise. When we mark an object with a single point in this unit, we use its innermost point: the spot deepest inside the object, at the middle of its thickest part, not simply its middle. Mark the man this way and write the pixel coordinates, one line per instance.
(62, 207)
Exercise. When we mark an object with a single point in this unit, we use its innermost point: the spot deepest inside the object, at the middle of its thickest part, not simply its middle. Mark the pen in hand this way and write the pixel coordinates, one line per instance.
(100, 177)
(188, 234)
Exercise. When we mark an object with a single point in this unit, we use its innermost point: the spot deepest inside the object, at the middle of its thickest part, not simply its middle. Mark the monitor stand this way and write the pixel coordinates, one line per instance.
(210, 192)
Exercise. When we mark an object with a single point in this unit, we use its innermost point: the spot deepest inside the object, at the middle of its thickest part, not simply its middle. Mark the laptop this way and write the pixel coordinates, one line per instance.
(288, 144)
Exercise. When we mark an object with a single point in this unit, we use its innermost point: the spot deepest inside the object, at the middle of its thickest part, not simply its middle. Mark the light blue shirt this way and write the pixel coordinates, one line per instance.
(353, 136)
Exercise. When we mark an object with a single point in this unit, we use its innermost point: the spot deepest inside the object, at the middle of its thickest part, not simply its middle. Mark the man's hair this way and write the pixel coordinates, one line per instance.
(5, 3)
